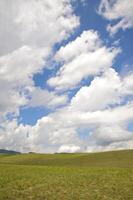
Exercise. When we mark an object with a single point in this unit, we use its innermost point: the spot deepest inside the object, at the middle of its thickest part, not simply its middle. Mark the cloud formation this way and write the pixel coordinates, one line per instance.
(83, 57)
(44, 98)
(106, 123)
(27, 27)
(119, 11)
(85, 114)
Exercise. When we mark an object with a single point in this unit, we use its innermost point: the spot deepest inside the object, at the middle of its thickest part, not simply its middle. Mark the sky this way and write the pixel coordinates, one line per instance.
(66, 75)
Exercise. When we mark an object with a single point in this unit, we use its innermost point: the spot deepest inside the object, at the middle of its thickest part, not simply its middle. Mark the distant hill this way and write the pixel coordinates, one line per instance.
(120, 159)
(4, 151)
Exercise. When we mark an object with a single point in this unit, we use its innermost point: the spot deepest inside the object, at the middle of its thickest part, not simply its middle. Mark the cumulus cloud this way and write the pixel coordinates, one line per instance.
(102, 108)
(29, 29)
(14, 137)
(128, 84)
(102, 92)
(98, 107)
(106, 135)
(22, 64)
(119, 11)
(83, 57)
(16, 73)
(44, 98)
(35, 23)
(10, 100)
(69, 149)
(58, 132)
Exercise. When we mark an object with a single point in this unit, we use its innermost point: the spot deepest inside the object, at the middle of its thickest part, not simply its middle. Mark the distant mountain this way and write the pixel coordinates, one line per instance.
(4, 151)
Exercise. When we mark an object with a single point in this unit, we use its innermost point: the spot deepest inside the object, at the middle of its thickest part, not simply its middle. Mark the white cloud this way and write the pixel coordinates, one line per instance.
(90, 108)
(10, 99)
(83, 57)
(14, 137)
(49, 134)
(94, 107)
(106, 135)
(120, 10)
(87, 41)
(20, 66)
(128, 84)
(102, 92)
(16, 73)
(120, 114)
(28, 31)
(41, 97)
(109, 147)
(35, 23)
(105, 91)
(69, 149)
(58, 131)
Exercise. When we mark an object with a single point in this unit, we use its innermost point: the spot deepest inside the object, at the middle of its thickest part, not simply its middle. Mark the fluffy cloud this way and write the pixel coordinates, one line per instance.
(29, 29)
(20, 66)
(105, 121)
(105, 91)
(16, 72)
(97, 116)
(128, 84)
(35, 23)
(83, 57)
(58, 132)
(39, 97)
(14, 137)
(102, 92)
(107, 135)
(121, 11)
(69, 149)
(10, 99)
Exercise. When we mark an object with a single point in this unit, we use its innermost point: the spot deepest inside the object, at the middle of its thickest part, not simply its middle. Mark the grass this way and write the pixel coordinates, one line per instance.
(105, 159)
(96, 176)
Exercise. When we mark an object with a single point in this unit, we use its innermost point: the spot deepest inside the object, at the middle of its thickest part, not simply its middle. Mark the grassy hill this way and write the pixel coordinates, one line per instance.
(123, 158)
(94, 176)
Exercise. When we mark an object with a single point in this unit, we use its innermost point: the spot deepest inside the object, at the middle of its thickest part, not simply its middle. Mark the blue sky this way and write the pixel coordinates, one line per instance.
(66, 75)
(89, 19)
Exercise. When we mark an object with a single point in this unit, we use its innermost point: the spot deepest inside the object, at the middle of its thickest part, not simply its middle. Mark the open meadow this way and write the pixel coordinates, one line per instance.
(88, 176)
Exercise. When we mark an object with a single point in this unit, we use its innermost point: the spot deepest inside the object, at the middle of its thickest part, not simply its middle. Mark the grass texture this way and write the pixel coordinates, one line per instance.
(94, 176)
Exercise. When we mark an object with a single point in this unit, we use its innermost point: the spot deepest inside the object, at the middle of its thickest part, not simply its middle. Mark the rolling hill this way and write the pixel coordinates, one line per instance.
(123, 158)
(79, 176)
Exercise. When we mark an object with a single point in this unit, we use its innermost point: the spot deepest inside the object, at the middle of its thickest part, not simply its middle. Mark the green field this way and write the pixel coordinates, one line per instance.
(94, 176)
